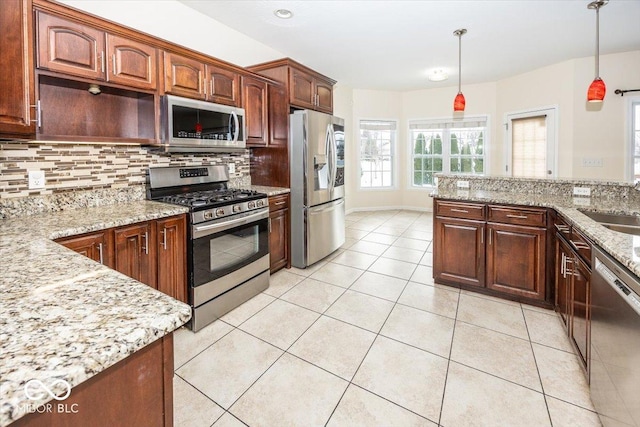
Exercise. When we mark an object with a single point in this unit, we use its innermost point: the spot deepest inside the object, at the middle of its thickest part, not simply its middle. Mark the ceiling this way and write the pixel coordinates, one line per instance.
(393, 45)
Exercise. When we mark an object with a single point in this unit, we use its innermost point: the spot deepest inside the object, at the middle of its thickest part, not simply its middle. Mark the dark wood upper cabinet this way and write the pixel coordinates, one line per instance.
(324, 93)
(184, 76)
(68, 47)
(223, 86)
(254, 93)
(131, 63)
(301, 91)
(278, 116)
(17, 99)
(172, 257)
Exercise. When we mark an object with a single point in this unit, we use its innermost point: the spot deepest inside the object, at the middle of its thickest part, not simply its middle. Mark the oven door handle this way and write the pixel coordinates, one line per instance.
(206, 230)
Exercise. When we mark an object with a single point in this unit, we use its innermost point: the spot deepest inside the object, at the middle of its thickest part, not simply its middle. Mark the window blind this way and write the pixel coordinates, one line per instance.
(377, 125)
(471, 122)
(529, 152)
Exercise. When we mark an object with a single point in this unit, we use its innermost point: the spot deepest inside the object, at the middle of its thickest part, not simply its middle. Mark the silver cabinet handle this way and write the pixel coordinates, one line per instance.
(280, 203)
(211, 86)
(563, 265)
(164, 238)
(38, 119)
(459, 210)
(101, 54)
(579, 245)
(561, 228)
(517, 216)
(100, 252)
(490, 236)
(482, 235)
(114, 65)
(269, 225)
(567, 261)
(145, 248)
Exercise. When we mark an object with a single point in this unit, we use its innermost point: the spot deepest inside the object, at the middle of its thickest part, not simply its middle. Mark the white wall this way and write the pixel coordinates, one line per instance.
(177, 23)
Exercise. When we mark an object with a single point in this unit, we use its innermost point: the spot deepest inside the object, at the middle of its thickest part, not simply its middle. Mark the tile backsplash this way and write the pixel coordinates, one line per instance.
(71, 167)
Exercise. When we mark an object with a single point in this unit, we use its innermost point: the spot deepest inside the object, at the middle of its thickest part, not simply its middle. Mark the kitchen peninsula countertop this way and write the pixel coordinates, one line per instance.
(623, 247)
(64, 316)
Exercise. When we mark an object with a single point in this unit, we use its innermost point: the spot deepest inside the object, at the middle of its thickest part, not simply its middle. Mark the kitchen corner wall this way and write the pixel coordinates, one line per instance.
(70, 167)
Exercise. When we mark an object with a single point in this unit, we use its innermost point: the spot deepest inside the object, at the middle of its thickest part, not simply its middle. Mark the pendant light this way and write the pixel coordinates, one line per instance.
(459, 102)
(597, 89)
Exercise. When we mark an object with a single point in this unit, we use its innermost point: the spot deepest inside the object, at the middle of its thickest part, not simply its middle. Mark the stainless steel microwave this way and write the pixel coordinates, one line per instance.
(194, 126)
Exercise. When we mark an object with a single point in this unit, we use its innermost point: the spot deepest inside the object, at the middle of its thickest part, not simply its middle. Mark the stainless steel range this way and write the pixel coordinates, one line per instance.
(228, 237)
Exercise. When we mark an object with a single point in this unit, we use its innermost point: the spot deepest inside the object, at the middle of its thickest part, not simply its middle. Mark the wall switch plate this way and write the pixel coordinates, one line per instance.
(462, 184)
(36, 180)
(232, 168)
(581, 201)
(582, 191)
(592, 162)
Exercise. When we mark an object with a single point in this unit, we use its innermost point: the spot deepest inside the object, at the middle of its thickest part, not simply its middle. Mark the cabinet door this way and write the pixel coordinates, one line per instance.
(172, 257)
(255, 106)
(223, 86)
(135, 252)
(459, 253)
(131, 63)
(580, 326)
(563, 266)
(184, 76)
(69, 47)
(16, 86)
(278, 239)
(278, 116)
(301, 89)
(516, 260)
(324, 96)
(97, 246)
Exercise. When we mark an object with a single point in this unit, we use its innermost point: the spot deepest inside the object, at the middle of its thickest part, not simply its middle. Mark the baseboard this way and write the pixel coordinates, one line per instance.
(388, 208)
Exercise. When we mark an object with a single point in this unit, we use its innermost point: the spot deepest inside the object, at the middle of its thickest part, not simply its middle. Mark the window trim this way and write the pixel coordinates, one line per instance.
(629, 137)
(446, 165)
(551, 111)
(394, 155)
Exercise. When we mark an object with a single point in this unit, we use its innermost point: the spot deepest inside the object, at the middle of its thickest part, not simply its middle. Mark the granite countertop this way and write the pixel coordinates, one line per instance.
(64, 316)
(623, 247)
(270, 191)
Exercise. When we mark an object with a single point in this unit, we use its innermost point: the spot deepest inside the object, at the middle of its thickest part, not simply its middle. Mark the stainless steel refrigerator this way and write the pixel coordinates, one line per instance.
(317, 186)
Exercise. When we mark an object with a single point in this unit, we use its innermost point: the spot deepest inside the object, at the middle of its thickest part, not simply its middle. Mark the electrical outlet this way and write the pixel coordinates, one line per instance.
(36, 180)
(581, 201)
(582, 191)
(592, 162)
(462, 184)
(232, 168)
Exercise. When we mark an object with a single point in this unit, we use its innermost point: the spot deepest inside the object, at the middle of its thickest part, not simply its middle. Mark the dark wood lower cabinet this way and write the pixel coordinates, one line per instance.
(279, 232)
(516, 260)
(459, 253)
(564, 261)
(137, 391)
(580, 327)
(153, 252)
(172, 257)
(135, 253)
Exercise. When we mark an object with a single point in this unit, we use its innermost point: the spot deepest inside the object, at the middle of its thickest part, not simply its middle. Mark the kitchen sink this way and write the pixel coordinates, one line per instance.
(629, 224)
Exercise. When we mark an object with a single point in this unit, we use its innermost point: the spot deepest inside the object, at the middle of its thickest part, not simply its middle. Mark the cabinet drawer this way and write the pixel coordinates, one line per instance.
(459, 210)
(278, 202)
(563, 227)
(518, 216)
(581, 245)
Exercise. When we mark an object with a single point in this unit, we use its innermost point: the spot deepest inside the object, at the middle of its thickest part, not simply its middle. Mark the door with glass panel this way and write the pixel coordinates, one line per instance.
(531, 144)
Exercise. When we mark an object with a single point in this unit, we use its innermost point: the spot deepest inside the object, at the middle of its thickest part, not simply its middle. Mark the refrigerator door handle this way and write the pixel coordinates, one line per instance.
(334, 158)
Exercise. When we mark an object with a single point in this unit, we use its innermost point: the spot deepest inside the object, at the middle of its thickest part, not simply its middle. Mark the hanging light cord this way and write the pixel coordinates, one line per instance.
(597, 41)
(459, 62)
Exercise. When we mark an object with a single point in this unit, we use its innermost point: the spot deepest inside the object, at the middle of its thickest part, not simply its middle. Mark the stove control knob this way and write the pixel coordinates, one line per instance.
(260, 203)
(252, 205)
(237, 208)
(220, 212)
(208, 215)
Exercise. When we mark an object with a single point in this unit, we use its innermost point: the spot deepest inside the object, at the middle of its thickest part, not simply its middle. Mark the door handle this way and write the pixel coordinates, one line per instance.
(100, 252)
(164, 238)
(145, 248)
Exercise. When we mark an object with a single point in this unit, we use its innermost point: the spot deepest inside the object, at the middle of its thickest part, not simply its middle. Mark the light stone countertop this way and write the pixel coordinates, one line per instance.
(623, 247)
(64, 316)
(270, 191)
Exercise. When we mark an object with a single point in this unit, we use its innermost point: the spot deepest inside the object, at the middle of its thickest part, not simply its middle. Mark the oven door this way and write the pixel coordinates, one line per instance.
(227, 252)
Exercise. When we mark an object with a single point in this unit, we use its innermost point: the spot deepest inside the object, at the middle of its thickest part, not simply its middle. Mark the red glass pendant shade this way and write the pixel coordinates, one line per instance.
(459, 102)
(597, 90)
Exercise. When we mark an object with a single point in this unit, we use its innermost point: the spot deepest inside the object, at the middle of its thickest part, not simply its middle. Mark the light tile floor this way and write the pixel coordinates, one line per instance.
(365, 338)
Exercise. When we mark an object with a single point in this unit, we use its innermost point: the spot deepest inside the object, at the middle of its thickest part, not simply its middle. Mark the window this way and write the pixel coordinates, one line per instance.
(635, 138)
(531, 143)
(456, 146)
(377, 153)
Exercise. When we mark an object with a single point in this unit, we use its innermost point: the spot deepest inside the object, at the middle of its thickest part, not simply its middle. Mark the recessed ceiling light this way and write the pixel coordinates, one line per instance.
(283, 13)
(438, 76)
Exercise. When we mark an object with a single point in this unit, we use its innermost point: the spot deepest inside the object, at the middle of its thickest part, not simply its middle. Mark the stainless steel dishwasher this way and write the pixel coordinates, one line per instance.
(615, 342)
